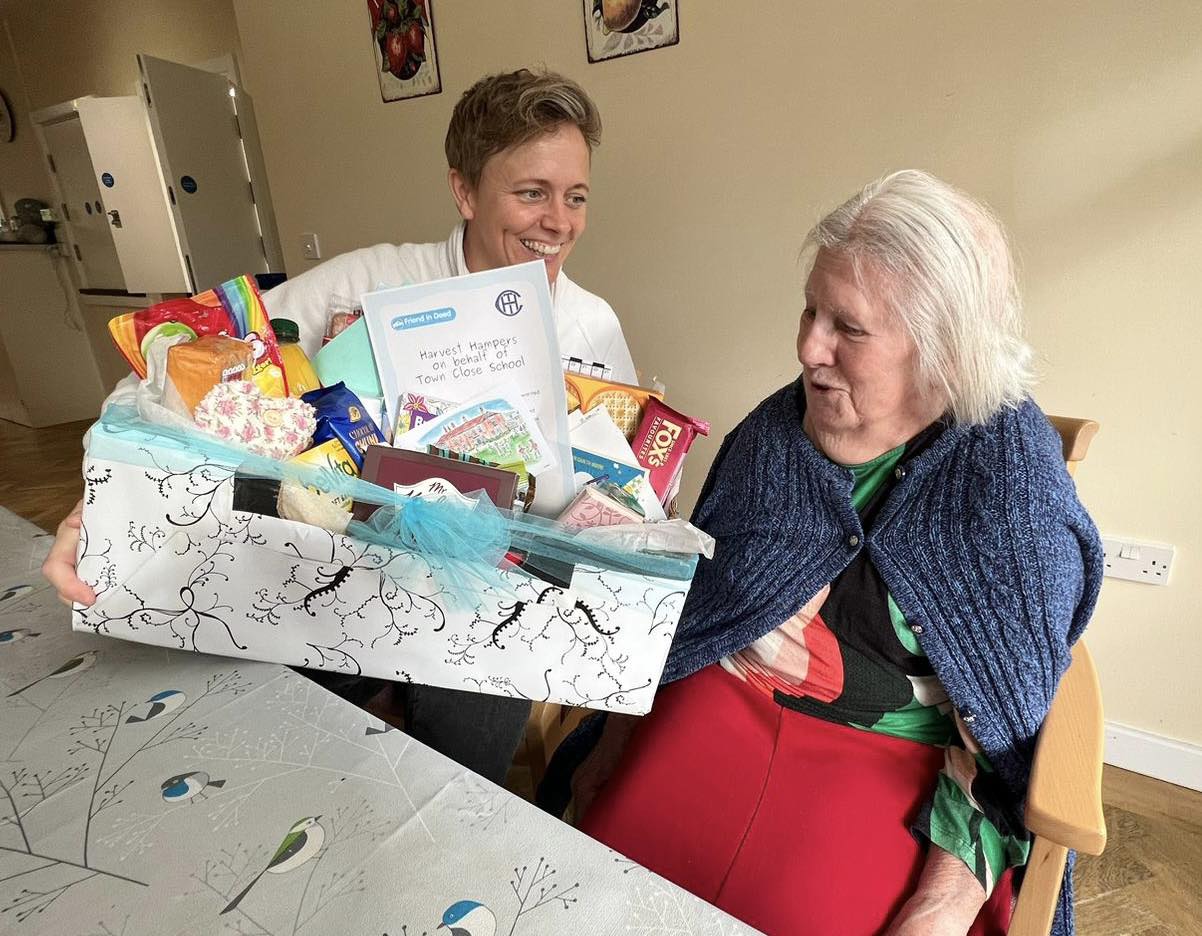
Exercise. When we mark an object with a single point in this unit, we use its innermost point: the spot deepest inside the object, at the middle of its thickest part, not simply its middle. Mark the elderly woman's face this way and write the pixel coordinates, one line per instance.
(859, 368)
(530, 203)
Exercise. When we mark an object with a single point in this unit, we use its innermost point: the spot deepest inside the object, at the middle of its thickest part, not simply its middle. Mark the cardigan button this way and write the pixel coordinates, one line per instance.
(916, 629)
(968, 718)
(899, 473)
(853, 541)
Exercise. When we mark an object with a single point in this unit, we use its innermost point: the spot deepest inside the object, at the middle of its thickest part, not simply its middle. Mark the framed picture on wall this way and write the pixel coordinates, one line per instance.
(405, 51)
(613, 28)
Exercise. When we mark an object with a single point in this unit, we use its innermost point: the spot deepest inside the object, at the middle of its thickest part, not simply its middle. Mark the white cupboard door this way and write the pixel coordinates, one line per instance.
(199, 144)
(96, 255)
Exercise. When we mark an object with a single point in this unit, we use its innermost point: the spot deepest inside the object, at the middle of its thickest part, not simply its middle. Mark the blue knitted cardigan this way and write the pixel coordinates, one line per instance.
(982, 543)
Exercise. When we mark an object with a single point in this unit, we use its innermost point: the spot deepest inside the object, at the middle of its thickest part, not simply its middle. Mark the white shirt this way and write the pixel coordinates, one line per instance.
(585, 324)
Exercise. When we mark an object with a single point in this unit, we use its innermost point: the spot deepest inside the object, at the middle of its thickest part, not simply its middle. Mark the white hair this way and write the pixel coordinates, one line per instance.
(940, 261)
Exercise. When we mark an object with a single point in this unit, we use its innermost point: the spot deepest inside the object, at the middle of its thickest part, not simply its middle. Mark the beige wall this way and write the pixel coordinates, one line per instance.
(53, 52)
(70, 48)
(22, 171)
(1078, 122)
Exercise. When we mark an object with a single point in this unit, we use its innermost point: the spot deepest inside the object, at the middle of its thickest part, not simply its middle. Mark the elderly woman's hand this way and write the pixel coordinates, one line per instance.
(945, 903)
(59, 567)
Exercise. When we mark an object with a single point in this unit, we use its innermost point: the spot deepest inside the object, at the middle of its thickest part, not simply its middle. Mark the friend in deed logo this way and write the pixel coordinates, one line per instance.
(422, 319)
(509, 302)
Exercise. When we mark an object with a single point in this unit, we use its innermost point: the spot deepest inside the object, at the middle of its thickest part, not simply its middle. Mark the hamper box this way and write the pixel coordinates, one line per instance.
(173, 564)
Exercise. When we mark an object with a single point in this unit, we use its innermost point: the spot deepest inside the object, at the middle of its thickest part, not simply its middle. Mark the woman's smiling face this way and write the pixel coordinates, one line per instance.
(531, 202)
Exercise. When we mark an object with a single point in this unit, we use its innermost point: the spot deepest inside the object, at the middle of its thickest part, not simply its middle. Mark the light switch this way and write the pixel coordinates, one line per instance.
(310, 247)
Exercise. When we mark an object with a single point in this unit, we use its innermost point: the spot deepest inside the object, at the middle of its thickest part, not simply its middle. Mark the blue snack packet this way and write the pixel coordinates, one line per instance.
(341, 416)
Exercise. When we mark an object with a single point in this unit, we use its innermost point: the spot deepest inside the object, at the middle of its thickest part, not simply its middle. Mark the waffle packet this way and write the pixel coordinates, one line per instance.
(625, 402)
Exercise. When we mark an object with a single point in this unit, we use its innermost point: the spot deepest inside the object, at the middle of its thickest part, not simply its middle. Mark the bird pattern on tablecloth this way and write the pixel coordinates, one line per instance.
(15, 634)
(184, 786)
(302, 841)
(73, 666)
(13, 592)
(469, 918)
(166, 701)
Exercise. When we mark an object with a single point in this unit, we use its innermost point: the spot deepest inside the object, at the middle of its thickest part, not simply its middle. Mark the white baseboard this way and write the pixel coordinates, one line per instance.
(1154, 756)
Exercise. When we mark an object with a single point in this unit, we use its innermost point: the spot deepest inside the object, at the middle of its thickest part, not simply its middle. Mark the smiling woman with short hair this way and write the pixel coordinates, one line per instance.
(519, 150)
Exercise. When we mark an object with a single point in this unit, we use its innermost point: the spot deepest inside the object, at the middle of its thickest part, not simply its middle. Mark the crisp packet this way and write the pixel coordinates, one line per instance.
(341, 416)
(331, 456)
(134, 332)
(661, 443)
(234, 308)
(306, 504)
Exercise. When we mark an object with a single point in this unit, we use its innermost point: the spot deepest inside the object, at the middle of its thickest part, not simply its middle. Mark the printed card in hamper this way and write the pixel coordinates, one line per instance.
(459, 338)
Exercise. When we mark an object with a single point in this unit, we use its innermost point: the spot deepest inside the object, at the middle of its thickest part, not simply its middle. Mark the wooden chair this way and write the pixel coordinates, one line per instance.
(1075, 436)
(1064, 796)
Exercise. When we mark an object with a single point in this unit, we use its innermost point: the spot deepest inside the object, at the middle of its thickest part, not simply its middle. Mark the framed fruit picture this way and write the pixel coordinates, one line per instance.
(613, 28)
(405, 51)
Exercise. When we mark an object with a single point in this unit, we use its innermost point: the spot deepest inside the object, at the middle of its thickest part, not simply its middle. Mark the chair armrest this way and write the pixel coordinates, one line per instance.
(1064, 796)
(1075, 435)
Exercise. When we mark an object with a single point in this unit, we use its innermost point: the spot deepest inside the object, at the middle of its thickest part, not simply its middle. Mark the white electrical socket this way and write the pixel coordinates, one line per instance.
(310, 247)
(1137, 562)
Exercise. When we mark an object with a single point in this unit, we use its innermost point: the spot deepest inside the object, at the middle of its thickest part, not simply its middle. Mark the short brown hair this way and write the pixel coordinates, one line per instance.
(500, 111)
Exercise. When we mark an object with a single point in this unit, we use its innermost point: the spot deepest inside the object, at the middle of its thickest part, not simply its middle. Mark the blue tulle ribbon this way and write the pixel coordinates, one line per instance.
(469, 542)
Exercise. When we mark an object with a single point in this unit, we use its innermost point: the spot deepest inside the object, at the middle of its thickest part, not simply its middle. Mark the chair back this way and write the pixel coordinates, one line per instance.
(1075, 436)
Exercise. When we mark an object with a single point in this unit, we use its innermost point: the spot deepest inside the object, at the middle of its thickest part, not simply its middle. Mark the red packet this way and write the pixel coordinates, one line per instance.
(133, 332)
(661, 443)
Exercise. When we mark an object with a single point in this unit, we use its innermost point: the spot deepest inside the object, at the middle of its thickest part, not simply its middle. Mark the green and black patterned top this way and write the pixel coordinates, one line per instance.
(849, 657)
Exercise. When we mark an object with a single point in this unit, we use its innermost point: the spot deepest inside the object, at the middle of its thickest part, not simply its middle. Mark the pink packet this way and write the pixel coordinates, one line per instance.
(592, 508)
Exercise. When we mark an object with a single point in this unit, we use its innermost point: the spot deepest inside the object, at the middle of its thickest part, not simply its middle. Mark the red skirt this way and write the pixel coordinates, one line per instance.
(787, 822)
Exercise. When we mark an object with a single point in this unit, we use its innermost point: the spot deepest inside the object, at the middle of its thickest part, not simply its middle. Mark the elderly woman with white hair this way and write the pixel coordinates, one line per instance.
(845, 735)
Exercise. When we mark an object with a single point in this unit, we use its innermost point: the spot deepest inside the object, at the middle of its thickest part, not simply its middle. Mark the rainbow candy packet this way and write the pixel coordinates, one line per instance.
(234, 308)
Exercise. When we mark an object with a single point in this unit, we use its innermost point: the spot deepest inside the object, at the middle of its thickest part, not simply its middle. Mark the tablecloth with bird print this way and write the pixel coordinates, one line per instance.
(145, 790)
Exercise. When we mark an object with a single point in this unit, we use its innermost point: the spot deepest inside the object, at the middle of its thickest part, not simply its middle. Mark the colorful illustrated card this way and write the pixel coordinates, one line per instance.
(458, 338)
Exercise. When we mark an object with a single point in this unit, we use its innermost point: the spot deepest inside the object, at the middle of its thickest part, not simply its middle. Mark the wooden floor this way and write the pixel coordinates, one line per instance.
(40, 471)
(1149, 879)
(1147, 883)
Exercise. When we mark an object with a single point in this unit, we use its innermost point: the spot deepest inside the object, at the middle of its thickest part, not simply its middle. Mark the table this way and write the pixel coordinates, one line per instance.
(145, 790)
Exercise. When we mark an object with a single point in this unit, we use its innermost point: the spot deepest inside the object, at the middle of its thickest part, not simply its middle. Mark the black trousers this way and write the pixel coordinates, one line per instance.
(480, 732)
